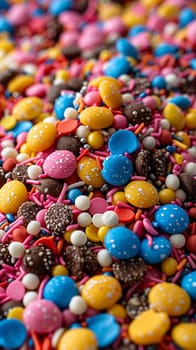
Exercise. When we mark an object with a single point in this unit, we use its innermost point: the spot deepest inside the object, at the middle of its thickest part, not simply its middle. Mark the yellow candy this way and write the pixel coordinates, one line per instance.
(95, 139)
(170, 298)
(59, 270)
(166, 195)
(185, 137)
(119, 196)
(141, 194)
(178, 158)
(6, 46)
(150, 3)
(41, 136)
(67, 236)
(117, 311)
(131, 19)
(97, 81)
(175, 116)
(190, 119)
(78, 339)
(184, 335)
(20, 83)
(107, 11)
(169, 266)
(25, 149)
(101, 292)
(110, 94)
(63, 74)
(89, 172)
(12, 195)
(97, 117)
(28, 108)
(8, 122)
(102, 232)
(168, 11)
(16, 312)
(92, 233)
(149, 327)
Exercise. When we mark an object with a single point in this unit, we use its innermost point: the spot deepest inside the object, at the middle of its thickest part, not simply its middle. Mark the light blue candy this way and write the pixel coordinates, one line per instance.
(123, 141)
(164, 49)
(20, 127)
(181, 101)
(122, 243)
(124, 47)
(5, 25)
(137, 30)
(159, 251)
(61, 103)
(117, 170)
(117, 66)
(105, 328)
(159, 82)
(60, 290)
(171, 219)
(12, 334)
(186, 16)
(58, 6)
(188, 283)
(193, 63)
(73, 194)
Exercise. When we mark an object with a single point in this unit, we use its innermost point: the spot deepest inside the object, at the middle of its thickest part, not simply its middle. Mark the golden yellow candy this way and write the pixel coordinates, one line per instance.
(12, 195)
(102, 232)
(109, 10)
(16, 312)
(20, 83)
(101, 292)
(141, 194)
(184, 335)
(105, 55)
(95, 139)
(97, 117)
(89, 172)
(175, 116)
(59, 270)
(28, 108)
(185, 137)
(117, 310)
(67, 236)
(92, 233)
(190, 119)
(78, 339)
(53, 52)
(150, 3)
(166, 195)
(8, 122)
(25, 149)
(149, 327)
(131, 19)
(63, 74)
(6, 46)
(119, 196)
(41, 136)
(168, 11)
(169, 266)
(97, 81)
(170, 298)
(110, 94)
(178, 158)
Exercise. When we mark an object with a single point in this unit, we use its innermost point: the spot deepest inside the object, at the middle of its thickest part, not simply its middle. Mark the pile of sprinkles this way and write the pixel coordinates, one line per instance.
(97, 175)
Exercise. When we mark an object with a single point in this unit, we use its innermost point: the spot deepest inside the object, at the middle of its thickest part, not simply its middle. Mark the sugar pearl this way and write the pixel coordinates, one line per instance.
(97, 220)
(190, 168)
(29, 297)
(82, 132)
(165, 124)
(56, 336)
(50, 120)
(110, 218)
(180, 194)
(2, 232)
(82, 202)
(104, 258)
(21, 157)
(78, 238)
(149, 142)
(127, 98)
(34, 171)
(172, 181)
(84, 219)
(9, 152)
(16, 250)
(170, 29)
(33, 228)
(192, 151)
(124, 78)
(177, 241)
(77, 305)
(172, 80)
(7, 143)
(31, 281)
(70, 113)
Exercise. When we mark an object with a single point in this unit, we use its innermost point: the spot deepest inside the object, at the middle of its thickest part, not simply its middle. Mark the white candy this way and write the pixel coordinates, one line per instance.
(50, 120)
(29, 297)
(172, 181)
(70, 113)
(104, 258)
(21, 157)
(97, 220)
(84, 219)
(149, 142)
(31, 281)
(9, 152)
(180, 194)
(34, 171)
(78, 238)
(190, 168)
(192, 151)
(110, 218)
(16, 250)
(170, 29)
(177, 241)
(125, 78)
(56, 336)
(33, 228)
(2, 232)
(82, 132)
(172, 80)
(127, 98)
(7, 143)
(77, 305)
(82, 202)
(165, 124)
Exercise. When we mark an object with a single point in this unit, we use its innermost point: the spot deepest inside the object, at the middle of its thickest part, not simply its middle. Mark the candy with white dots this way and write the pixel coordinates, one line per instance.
(172, 181)
(84, 219)
(77, 305)
(110, 218)
(31, 281)
(16, 250)
(82, 202)
(104, 258)
(172, 219)
(34, 171)
(78, 238)
(33, 228)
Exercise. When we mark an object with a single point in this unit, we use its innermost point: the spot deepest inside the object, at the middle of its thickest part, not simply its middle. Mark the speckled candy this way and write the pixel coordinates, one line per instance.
(157, 252)
(172, 219)
(175, 116)
(89, 172)
(184, 335)
(78, 338)
(97, 117)
(60, 164)
(12, 195)
(28, 108)
(41, 136)
(101, 292)
(110, 94)
(188, 283)
(117, 170)
(141, 194)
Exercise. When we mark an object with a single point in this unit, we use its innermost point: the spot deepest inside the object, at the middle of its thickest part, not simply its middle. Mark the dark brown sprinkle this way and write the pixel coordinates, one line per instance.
(80, 5)
(38, 259)
(20, 173)
(5, 257)
(2, 177)
(160, 162)
(50, 186)
(80, 261)
(187, 85)
(6, 75)
(136, 305)
(75, 84)
(71, 51)
(69, 143)
(4, 309)
(58, 217)
(129, 271)
(141, 84)
(138, 113)
(54, 91)
(142, 163)
(188, 184)
(94, 53)
(53, 28)
(29, 211)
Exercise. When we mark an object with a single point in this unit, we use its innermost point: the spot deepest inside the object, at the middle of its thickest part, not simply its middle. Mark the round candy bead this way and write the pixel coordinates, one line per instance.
(59, 270)
(101, 292)
(117, 66)
(95, 139)
(84, 219)
(59, 290)
(191, 243)
(34, 171)
(42, 316)
(29, 108)
(159, 82)
(181, 101)
(9, 329)
(184, 335)
(110, 218)
(20, 83)
(104, 258)
(186, 16)
(16, 250)
(30, 281)
(96, 117)
(33, 228)
(73, 194)
(171, 218)
(166, 196)
(124, 47)
(16, 313)
(61, 103)
(149, 142)
(60, 164)
(175, 116)
(118, 311)
(41, 136)
(82, 202)
(110, 94)
(89, 172)
(122, 243)
(130, 142)
(12, 195)
(77, 305)
(188, 283)
(172, 181)
(29, 297)
(190, 168)
(117, 170)
(78, 238)
(141, 194)
(169, 266)
(78, 338)
(177, 241)
(160, 249)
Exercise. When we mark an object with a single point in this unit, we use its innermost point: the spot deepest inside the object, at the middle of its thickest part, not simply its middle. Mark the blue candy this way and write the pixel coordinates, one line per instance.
(193, 63)
(61, 103)
(164, 49)
(124, 47)
(186, 16)
(58, 6)
(188, 283)
(123, 141)
(105, 328)
(136, 30)
(181, 101)
(12, 334)
(171, 218)
(20, 127)
(73, 194)
(5, 26)
(117, 170)
(117, 66)
(159, 251)
(60, 290)
(159, 82)
(4, 5)
(122, 243)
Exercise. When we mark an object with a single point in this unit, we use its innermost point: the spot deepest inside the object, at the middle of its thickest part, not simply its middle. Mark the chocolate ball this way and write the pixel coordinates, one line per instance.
(38, 259)
(58, 217)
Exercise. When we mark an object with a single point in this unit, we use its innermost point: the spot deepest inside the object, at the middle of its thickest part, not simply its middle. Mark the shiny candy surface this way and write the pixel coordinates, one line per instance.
(117, 170)
(188, 283)
(157, 252)
(79, 338)
(141, 194)
(60, 164)
(88, 171)
(28, 108)
(96, 117)
(110, 94)
(12, 195)
(184, 335)
(172, 219)
(41, 136)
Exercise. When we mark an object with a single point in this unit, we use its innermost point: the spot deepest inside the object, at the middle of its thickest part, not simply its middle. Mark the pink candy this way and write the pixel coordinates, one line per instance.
(60, 164)
(191, 30)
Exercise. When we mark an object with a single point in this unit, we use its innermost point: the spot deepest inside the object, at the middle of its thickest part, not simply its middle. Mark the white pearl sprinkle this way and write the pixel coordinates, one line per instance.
(104, 258)
(31, 281)
(84, 219)
(78, 238)
(172, 181)
(33, 228)
(82, 202)
(16, 250)
(77, 305)
(29, 297)
(34, 171)
(110, 218)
